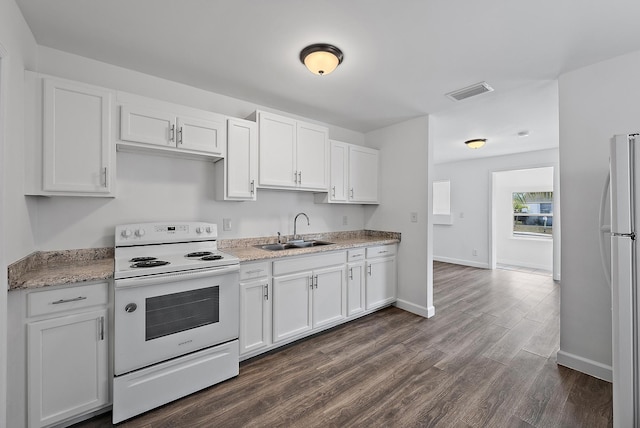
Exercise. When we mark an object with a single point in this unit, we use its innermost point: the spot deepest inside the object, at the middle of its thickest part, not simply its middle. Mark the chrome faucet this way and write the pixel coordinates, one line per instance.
(295, 222)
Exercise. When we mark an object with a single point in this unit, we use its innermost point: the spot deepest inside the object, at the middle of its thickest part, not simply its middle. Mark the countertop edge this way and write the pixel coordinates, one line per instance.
(43, 269)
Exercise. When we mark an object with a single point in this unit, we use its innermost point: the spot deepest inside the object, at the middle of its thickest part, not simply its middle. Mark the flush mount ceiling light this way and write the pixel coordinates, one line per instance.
(321, 59)
(476, 143)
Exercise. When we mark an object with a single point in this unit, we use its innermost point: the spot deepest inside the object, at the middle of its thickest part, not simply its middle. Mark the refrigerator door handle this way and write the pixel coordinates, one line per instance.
(631, 235)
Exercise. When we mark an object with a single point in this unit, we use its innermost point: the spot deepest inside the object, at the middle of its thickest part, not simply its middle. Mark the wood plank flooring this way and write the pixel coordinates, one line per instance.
(487, 359)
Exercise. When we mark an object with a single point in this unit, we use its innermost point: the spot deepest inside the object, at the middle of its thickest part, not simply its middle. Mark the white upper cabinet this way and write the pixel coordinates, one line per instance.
(312, 155)
(237, 174)
(339, 168)
(68, 136)
(293, 154)
(353, 175)
(201, 135)
(363, 174)
(145, 125)
(152, 124)
(277, 143)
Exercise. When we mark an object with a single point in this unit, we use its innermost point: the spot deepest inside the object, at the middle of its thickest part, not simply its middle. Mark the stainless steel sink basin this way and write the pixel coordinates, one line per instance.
(293, 245)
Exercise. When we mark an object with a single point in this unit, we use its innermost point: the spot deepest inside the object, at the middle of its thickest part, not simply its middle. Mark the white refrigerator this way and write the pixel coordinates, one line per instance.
(625, 188)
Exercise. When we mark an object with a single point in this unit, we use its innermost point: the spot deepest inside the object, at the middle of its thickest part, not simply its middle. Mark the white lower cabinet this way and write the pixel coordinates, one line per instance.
(308, 293)
(293, 297)
(355, 282)
(292, 305)
(255, 307)
(381, 277)
(67, 353)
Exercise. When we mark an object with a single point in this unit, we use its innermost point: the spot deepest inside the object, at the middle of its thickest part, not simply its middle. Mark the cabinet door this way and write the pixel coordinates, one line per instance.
(329, 296)
(144, 125)
(363, 174)
(277, 146)
(381, 282)
(338, 175)
(76, 138)
(255, 315)
(312, 156)
(241, 159)
(201, 135)
(67, 367)
(291, 305)
(355, 289)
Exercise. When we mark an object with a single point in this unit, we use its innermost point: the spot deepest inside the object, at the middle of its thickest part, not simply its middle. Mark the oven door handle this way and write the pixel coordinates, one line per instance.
(172, 276)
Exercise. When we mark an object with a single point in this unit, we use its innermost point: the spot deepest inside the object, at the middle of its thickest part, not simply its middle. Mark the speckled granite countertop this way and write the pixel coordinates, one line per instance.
(246, 251)
(49, 268)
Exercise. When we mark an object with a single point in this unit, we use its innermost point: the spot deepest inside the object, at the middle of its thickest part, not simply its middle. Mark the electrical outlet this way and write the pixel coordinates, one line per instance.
(345, 220)
(461, 215)
(414, 217)
(226, 224)
(475, 252)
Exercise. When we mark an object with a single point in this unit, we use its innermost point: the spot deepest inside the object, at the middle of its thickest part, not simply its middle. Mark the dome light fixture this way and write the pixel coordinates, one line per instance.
(321, 58)
(476, 143)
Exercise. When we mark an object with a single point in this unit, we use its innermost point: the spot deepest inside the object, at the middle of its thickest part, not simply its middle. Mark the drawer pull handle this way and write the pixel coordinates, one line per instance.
(255, 271)
(75, 299)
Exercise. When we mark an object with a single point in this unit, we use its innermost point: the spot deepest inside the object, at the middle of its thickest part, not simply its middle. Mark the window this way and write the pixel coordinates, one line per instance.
(442, 202)
(532, 214)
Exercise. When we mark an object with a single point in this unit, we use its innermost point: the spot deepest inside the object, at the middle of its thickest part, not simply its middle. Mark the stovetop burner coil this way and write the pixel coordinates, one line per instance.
(142, 259)
(199, 254)
(149, 263)
(212, 257)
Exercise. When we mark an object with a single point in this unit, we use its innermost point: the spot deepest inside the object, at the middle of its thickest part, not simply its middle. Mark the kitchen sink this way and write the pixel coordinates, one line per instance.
(293, 245)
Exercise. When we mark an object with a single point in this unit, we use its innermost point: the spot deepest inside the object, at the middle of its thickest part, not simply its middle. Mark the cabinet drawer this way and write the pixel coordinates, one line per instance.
(356, 255)
(253, 270)
(52, 301)
(381, 251)
(308, 263)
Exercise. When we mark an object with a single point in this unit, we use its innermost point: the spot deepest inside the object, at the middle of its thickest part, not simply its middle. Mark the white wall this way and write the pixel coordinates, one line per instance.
(155, 188)
(471, 205)
(596, 102)
(403, 189)
(17, 49)
(531, 252)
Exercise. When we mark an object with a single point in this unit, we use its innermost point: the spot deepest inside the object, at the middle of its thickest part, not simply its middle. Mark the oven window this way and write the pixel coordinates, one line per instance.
(173, 313)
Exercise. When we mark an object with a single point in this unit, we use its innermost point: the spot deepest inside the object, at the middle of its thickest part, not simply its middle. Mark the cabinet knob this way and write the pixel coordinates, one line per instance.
(131, 307)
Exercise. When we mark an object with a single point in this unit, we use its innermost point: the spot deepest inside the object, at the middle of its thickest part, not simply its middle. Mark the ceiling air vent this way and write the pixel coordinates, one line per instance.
(470, 91)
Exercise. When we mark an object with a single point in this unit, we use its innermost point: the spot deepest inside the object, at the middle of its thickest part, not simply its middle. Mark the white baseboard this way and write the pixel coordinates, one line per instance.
(584, 365)
(520, 263)
(481, 265)
(416, 309)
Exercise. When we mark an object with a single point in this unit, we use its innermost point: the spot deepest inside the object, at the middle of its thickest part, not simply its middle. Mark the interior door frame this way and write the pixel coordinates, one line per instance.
(556, 216)
(3, 265)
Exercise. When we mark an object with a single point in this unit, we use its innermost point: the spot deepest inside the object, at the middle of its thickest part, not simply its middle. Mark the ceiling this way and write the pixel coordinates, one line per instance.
(400, 58)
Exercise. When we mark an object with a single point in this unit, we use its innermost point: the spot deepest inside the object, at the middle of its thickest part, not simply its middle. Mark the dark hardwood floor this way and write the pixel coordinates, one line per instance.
(487, 359)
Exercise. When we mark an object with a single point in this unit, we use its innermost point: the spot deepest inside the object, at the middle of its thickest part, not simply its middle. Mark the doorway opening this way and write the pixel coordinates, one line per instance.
(524, 220)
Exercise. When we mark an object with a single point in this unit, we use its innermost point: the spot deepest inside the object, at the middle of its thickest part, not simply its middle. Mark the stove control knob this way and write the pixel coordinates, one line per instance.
(140, 233)
(209, 229)
(199, 229)
(126, 233)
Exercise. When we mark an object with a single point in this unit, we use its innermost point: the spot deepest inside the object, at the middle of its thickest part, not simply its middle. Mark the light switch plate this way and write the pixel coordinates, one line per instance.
(345, 220)
(414, 217)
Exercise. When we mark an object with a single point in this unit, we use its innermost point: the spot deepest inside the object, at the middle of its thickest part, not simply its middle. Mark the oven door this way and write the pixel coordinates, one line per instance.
(158, 317)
